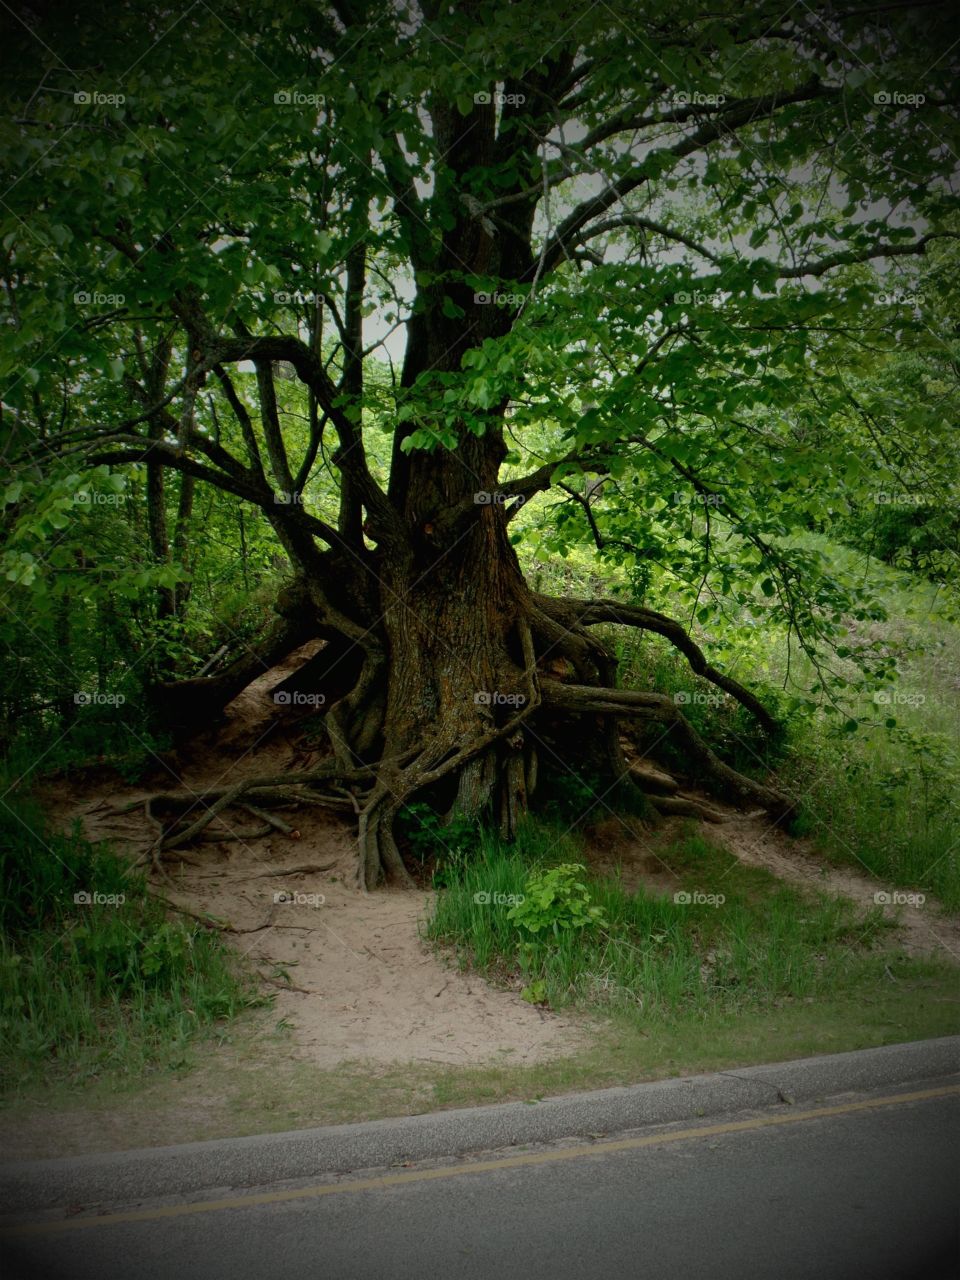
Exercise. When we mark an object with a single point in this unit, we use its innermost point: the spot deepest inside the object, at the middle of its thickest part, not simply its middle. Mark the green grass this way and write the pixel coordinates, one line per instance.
(111, 985)
(884, 809)
(652, 958)
(885, 798)
(249, 1082)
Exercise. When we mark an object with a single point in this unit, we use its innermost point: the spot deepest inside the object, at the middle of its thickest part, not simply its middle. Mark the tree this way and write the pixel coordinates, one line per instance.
(623, 245)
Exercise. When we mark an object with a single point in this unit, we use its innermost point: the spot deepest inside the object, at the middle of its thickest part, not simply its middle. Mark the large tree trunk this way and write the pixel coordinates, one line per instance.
(463, 678)
(460, 678)
(448, 679)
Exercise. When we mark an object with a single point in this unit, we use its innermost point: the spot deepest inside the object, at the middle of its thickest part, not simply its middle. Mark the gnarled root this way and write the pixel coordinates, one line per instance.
(624, 702)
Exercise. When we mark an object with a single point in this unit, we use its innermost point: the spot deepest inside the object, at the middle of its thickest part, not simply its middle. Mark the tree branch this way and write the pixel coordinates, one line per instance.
(733, 116)
(853, 256)
(591, 612)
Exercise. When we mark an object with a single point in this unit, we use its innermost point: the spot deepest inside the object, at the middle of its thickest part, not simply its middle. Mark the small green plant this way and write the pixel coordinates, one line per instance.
(558, 901)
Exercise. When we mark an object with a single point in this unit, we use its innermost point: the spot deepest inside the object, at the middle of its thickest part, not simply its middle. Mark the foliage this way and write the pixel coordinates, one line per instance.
(710, 338)
(656, 958)
(556, 901)
(433, 842)
(103, 982)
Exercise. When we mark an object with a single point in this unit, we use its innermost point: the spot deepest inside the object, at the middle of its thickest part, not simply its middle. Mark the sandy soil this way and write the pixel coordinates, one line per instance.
(925, 929)
(350, 971)
(619, 846)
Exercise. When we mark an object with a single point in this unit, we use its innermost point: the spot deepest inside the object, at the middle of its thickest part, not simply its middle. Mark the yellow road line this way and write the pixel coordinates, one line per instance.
(479, 1166)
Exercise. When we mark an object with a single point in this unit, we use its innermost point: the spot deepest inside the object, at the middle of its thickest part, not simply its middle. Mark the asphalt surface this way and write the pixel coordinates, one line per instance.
(863, 1185)
(95, 1181)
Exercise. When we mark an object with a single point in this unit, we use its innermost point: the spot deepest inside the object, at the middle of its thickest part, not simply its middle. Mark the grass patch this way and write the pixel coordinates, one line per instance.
(249, 1084)
(732, 938)
(94, 977)
(884, 797)
(880, 806)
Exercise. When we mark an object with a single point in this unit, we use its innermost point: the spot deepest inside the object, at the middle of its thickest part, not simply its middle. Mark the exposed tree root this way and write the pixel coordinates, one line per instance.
(208, 921)
(152, 854)
(170, 841)
(382, 756)
(577, 613)
(688, 807)
(652, 781)
(307, 868)
(282, 789)
(285, 986)
(438, 759)
(273, 821)
(189, 705)
(656, 706)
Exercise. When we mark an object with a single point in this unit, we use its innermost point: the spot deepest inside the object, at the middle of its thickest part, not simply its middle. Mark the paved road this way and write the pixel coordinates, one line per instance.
(854, 1189)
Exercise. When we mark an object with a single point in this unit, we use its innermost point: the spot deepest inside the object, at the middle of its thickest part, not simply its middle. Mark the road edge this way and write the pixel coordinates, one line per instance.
(276, 1157)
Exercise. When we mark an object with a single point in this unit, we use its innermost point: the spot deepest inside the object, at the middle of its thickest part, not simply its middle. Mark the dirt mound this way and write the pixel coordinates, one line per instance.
(350, 972)
(757, 842)
(351, 975)
(621, 846)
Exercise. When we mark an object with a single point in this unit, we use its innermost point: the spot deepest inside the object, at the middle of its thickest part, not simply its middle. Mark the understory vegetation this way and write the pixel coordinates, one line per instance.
(564, 401)
(767, 942)
(727, 938)
(877, 771)
(96, 976)
(123, 989)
